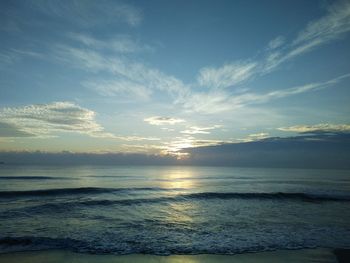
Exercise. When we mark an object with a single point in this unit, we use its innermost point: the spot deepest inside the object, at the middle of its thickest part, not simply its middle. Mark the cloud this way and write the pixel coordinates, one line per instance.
(218, 98)
(121, 69)
(130, 78)
(313, 151)
(276, 42)
(119, 44)
(330, 27)
(167, 129)
(120, 88)
(158, 120)
(86, 59)
(178, 146)
(42, 120)
(46, 120)
(318, 128)
(257, 136)
(7, 58)
(325, 29)
(141, 148)
(200, 130)
(255, 98)
(98, 158)
(316, 151)
(138, 80)
(249, 98)
(12, 56)
(227, 75)
(10, 130)
(318, 32)
(136, 138)
(214, 102)
(207, 102)
(253, 137)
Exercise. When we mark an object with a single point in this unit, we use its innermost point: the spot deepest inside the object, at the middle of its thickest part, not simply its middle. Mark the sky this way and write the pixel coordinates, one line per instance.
(160, 77)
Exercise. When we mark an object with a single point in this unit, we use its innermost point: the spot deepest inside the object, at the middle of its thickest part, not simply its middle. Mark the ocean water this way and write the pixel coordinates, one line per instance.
(172, 210)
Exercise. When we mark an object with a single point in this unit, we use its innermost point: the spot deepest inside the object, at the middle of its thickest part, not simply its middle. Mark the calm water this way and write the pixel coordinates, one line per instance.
(166, 210)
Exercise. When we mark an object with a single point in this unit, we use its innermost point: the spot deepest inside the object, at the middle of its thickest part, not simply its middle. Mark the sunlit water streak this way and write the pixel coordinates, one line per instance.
(167, 210)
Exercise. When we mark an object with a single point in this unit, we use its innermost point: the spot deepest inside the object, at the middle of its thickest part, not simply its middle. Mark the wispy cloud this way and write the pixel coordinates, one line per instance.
(218, 84)
(136, 138)
(254, 98)
(318, 128)
(7, 58)
(118, 43)
(318, 32)
(217, 80)
(330, 27)
(276, 42)
(207, 102)
(200, 130)
(325, 29)
(121, 88)
(218, 101)
(13, 55)
(227, 75)
(121, 68)
(158, 120)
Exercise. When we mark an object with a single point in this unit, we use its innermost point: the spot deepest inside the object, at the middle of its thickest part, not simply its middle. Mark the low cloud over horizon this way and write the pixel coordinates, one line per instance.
(325, 151)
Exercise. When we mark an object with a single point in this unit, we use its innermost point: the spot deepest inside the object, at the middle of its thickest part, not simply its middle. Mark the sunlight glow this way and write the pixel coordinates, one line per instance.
(178, 178)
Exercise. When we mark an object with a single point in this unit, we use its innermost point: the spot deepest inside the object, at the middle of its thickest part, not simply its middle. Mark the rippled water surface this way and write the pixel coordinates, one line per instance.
(168, 210)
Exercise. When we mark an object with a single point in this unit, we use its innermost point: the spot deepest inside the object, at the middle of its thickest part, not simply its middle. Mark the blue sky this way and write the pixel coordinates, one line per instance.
(161, 76)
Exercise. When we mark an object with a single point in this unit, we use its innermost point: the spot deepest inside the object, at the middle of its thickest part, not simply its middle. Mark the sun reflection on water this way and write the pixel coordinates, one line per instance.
(178, 179)
(181, 180)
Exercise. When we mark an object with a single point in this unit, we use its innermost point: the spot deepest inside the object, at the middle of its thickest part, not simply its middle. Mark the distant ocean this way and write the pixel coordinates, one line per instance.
(172, 210)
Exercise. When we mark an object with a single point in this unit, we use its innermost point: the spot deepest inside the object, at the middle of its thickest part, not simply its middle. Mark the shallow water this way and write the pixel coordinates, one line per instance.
(172, 210)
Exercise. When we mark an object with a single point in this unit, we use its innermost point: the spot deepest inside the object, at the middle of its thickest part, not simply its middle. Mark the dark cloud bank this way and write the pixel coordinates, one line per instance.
(309, 151)
(317, 151)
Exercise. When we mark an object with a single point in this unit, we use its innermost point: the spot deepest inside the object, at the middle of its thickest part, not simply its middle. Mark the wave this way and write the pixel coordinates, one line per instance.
(11, 244)
(54, 192)
(58, 207)
(116, 176)
(122, 244)
(272, 196)
(72, 191)
(172, 195)
(210, 195)
(33, 243)
(213, 195)
(29, 178)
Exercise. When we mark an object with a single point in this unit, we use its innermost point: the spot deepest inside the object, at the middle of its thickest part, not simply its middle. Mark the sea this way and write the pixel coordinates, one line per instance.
(166, 210)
